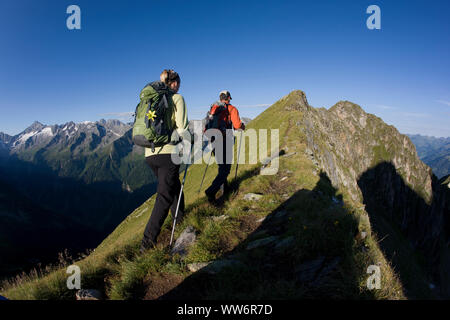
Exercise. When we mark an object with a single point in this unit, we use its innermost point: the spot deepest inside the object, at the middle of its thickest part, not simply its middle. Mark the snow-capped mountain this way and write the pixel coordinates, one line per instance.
(90, 171)
(79, 137)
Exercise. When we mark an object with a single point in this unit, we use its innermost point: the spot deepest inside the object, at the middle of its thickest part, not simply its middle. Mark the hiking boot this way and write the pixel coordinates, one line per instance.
(211, 198)
(146, 245)
(222, 191)
(226, 187)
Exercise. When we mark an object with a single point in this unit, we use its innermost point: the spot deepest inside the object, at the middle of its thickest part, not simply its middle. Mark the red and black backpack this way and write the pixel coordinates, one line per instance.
(215, 119)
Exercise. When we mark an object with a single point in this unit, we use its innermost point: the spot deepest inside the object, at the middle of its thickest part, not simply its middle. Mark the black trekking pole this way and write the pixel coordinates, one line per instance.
(239, 153)
(204, 174)
(179, 197)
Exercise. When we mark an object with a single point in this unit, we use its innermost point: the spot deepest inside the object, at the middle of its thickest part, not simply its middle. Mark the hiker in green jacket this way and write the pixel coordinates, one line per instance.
(167, 172)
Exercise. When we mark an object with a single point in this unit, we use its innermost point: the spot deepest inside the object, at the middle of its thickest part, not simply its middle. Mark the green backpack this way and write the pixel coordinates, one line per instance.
(153, 124)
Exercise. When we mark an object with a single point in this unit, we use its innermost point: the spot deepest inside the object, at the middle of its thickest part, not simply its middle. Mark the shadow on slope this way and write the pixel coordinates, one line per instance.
(101, 205)
(411, 232)
(30, 234)
(76, 207)
(303, 249)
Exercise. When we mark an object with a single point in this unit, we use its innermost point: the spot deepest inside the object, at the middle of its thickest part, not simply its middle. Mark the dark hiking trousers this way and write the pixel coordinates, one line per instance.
(223, 172)
(168, 192)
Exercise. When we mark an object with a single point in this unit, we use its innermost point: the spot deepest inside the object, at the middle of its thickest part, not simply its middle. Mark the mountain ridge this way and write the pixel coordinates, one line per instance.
(345, 171)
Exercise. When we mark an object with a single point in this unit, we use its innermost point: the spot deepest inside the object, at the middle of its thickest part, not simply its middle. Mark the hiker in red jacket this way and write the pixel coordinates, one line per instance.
(228, 119)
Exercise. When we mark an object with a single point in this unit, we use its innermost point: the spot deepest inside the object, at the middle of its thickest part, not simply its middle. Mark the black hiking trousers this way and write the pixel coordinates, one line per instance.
(224, 169)
(168, 190)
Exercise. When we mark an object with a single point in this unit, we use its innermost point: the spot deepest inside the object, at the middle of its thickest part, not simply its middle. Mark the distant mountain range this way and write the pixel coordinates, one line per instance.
(67, 186)
(435, 152)
(86, 176)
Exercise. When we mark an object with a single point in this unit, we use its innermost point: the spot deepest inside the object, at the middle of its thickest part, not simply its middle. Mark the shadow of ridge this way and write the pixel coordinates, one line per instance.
(101, 205)
(87, 213)
(293, 263)
(406, 226)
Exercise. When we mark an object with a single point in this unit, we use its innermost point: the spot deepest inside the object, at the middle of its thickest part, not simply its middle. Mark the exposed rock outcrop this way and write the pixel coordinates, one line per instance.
(346, 142)
(371, 163)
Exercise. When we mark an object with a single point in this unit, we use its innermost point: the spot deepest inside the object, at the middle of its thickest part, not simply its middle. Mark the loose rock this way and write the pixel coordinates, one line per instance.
(326, 270)
(253, 196)
(182, 244)
(306, 272)
(286, 242)
(88, 294)
(268, 171)
(196, 266)
(219, 265)
(361, 236)
(219, 218)
(261, 242)
(280, 214)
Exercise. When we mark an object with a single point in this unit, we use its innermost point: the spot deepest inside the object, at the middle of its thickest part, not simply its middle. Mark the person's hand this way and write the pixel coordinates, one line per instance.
(242, 126)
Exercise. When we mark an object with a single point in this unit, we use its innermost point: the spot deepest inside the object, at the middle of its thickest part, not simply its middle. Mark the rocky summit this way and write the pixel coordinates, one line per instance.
(374, 164)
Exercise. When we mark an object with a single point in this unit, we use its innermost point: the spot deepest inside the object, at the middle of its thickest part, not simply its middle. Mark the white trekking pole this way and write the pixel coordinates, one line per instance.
(239, 153)
(179, 197)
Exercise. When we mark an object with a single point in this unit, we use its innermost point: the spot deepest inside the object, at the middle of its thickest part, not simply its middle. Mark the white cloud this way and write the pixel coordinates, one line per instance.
(444, 102)
(385, 107)
(257, 106)
(415, 115)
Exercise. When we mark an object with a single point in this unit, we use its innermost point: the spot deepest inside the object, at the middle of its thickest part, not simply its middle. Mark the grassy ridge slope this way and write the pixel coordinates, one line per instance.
(314, 221)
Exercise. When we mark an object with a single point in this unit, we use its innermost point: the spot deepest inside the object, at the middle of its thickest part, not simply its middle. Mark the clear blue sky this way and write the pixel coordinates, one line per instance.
(259, 50)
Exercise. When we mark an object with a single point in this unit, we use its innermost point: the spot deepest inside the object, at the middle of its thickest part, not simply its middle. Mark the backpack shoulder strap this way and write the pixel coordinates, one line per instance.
(228, 114)
(164, 101)
(216, 106)
(160, 87)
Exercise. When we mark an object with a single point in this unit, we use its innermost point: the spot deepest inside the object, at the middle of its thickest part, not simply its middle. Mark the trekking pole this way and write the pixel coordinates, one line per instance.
(179, 198)
(239, 153)
(204, 174)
